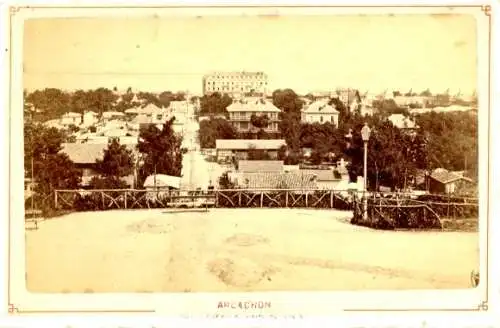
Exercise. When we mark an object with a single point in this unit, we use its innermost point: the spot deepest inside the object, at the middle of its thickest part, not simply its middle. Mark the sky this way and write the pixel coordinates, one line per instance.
(305, 53)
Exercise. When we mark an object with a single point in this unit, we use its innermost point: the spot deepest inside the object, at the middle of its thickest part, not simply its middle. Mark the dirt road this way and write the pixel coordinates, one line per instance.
(239, 250)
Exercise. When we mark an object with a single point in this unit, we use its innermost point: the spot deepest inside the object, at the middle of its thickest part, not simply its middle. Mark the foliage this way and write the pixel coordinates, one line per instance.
(117, 161)
(257, 154)
(51, 168)
(215, 128)
(288, 101)
(51, 103)
(107, 182)
(452, 140)
(161, 150)
(323, 139)
(214, 103)
(259, 121)
(225, 182)
(393, 156)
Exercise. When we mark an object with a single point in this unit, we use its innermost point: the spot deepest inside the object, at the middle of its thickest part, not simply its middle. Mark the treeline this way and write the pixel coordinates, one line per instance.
(159, 150)
(51, 103)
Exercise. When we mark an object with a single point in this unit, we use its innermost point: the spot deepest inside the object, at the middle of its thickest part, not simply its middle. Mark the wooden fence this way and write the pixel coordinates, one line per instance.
(136, 199)
(400, 211)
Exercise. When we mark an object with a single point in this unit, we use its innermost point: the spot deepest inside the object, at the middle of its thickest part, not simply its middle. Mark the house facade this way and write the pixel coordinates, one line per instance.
(442, 181)
(235, 83)
(90, 118)
(320, 112)
(228, 150)
(241, 111)
(71, 118)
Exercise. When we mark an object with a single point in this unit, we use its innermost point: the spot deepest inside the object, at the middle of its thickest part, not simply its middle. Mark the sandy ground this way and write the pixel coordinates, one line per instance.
(239, 250)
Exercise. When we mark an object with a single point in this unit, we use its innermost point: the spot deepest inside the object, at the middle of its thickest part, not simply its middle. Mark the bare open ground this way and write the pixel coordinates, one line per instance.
(239, 250)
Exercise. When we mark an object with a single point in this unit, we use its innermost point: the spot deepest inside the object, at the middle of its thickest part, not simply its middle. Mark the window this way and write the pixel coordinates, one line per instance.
(331, 118)
(321, 118)
(159, 117)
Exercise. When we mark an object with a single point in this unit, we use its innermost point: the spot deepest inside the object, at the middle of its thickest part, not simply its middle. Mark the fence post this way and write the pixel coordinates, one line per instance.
(331, 198)
(126, 192)
(261, 199)
(102, 199)
(307, 199)
(216, 199)
(55, 199)
(239, 198)
(286, 198)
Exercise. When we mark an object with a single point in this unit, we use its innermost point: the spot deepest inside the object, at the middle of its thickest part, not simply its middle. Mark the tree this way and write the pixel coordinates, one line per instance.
(117, 161)
(213, 129)
(393, 157)
(287, 100)
(324, 140)
(426, 93)
(214, 104)
(259, 121)
(225, 182)
(161, 150)
(451, 140)
(149, 98)
(257, 154)
(50, 103)
(42, 156)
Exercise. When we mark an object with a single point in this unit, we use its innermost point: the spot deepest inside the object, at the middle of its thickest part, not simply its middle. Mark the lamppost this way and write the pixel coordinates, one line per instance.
(365, 135)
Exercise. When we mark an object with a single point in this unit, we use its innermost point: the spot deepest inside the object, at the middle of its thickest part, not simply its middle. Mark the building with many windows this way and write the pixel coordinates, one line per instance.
(242, 110)
(235, 84)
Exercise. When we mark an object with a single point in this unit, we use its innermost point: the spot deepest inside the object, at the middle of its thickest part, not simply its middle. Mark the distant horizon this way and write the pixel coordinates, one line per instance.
(402, 52)
(189, 92)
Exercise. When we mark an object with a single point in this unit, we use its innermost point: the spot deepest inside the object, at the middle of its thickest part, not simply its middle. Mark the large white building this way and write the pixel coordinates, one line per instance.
(235, 83)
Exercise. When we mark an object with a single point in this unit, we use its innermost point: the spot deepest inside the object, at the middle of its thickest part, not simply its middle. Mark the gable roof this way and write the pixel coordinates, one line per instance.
(444, 176)
(320, 107)
(244, 144)
(88, 153)
(148, 109)
(260, 166)
(274, 180)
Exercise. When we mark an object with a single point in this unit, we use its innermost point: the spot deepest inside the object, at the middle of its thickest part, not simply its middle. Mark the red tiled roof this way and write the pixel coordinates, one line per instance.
(260, 166)
(271, 180)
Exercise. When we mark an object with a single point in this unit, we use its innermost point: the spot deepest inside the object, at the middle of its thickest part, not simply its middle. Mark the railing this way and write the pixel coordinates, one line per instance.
(401, 211)
(104, 199)
(397, 206)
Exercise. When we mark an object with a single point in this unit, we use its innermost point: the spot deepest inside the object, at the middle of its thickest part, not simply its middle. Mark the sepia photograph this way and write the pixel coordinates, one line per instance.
(252, 153)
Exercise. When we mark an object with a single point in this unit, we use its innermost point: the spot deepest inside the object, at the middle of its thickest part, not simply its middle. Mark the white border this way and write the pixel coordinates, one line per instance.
(283, 303)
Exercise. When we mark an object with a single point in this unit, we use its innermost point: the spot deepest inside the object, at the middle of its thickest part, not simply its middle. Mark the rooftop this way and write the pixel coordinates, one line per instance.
(322, 175)
(444, 176)
(275, 180)
(253, 104)
(244, 144)
(320, 106)
(260, 166)
(88, 153)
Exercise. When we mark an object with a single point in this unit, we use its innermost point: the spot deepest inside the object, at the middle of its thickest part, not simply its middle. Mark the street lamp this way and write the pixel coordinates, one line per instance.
(365, 135)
